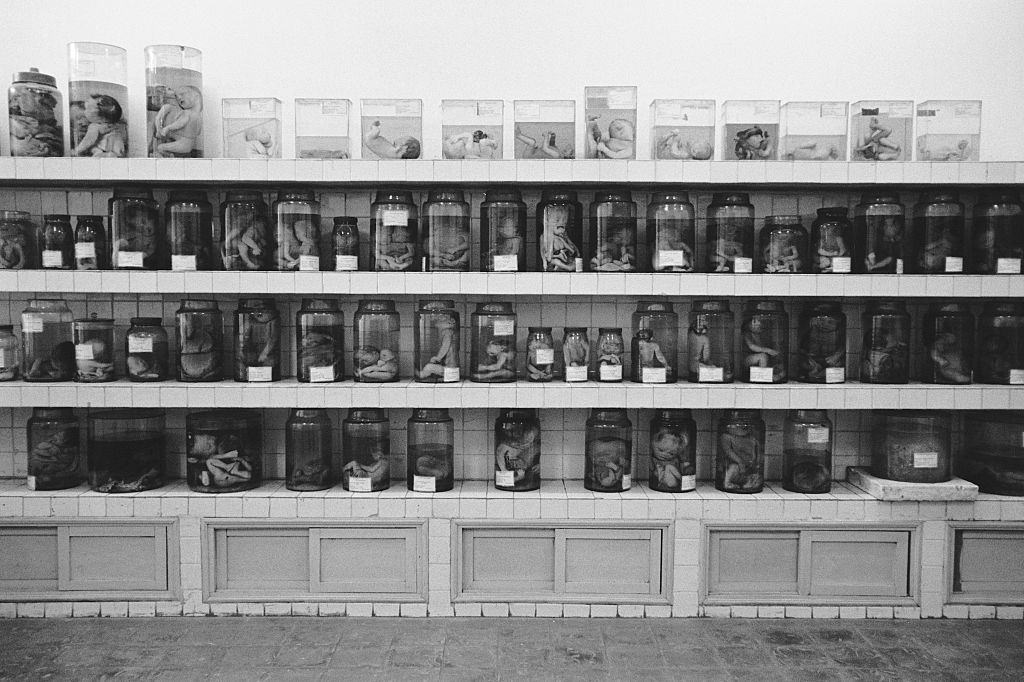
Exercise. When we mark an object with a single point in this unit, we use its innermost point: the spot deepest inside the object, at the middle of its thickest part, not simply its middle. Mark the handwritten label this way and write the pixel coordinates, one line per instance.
(393, 217)
(346, 263)
(505, 328)
(688, 483)
(579, 265)
(762, 375)
(670, 259)
(31, 323)
(129, 259)
(362, 484)
(611, 372)
(627, 481)
(506, 263)
(321, 375)
(83, 351)
(309, 263)
(85, 250)
(835, 375)
(258, 374)
(1008, 266)
(262, 107)
(183, 263)
(53, 259)
(1016, 376)
(899, 266)
(140, 344)
(31, 482)
(527, 111)
(817, 434)
(575, 374)
(653, 375)
(504, 479)
(841, 264)
(710, 374)
(545, 356)
(743, 265)
(954, 264)
(424, 484)
(926, 460)
(833, 109)
(452, 374)
(334, 107)
(4, 363)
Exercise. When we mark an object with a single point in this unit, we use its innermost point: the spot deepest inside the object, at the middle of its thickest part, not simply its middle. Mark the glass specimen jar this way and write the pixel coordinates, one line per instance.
(36, 111)
(345, 238)
(545, 128)
(200, 336)
(53, 453)
(135, 239)
(710, 342)
(997, 234)
(224, 451)
(56, 242)
(174, 101)
(540, 355)
(436, 336)
(611, 122)
(730, 233)
(430, 463)
(17, 250)
(394, 232)
(949, 344)
(146, 350)
(320, 341)
(245, 235)
(764, 343)
(832, 240)
(885, 352)
(814, 131)
(559, 231)
(739, 456)
(782, 245)
(48, 351)
(1000, 343)
(879, 228)
(937, 240)
(98, 100)
(10, 353)
(750, 129)
(576, 354)
(375, 334)
(493, 352)
(610, 351)
(188, 220)
(655, 346)
(807, 452)
(366, 450)
(822, 344)
(517, 450)
(91, 251)
(297, 217)
(613, 232)
(126, 450)
(251, 127)
(881, 130)
(94, 349)
(257, 340)
(447, 240)
(673, 452)
(322, 128)
(671, 240)
(683, 129)
(949, 130)
(308, 452)
(609, 452)
(391, 128)
(503, 231)
(992, 451)
(472, 129)
(911, 445)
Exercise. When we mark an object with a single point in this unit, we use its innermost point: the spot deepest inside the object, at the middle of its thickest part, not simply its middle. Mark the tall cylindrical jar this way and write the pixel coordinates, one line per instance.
(911, 445)
(673, 439)
(997, 234)
(53, 454)
(611, 350)
(224, 450)
(245, 234)
(608, 457)
(503, 231)
(764, 343)
(366, 450)
(91, 249)
(739, 456)
(345, 239)
(394, 232)
(48, 351)
(517, 450)
(447, 240)
(822, 344)
(710, 342)
(576, 354)
(885, 351)
(493, 353)
(56, 242)
(98, 100)
(135, 239)
(782, 245)
(146, 350)
(937, 240)
(375, 341)
(308, 452)
(436, 337)
(17, 245)
(613, 232)
(992, 451)
(174, 101)
(188, 219)
(559, 231)
(879, 229)
(655, 346)
(200, 337)
(94, 349)
(671, 240)
(430, 461)
(319, 341)
(949, 344)
(540, 355)
(1000, 343)
(730, 233)
(10, 353)
(257, 340)
(832, 241)
(126, 450)
(36, 111)
(297, 220)
(807, 452)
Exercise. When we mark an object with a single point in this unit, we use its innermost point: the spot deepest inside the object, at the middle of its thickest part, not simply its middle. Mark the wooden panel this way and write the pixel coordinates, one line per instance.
(262, 559)
(508, 560)
(364, 560)
(608, 561)
(855, 563)
(112, 557)
(990, 562)
(28, 558)
(761, 562)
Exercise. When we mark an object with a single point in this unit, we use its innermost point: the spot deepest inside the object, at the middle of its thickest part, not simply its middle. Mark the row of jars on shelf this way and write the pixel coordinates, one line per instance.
(57, 347)
(126, 450)
(287, 237)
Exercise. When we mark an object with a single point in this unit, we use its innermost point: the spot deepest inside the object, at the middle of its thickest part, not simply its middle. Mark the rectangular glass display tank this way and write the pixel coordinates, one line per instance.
(472, 128)
(814, 131)
(322, 128)
(252, 127)
(392, 128)
(683, 129)
(545, 128)
(949, 130)
(881, 130)
(611, 122)
(750, 129)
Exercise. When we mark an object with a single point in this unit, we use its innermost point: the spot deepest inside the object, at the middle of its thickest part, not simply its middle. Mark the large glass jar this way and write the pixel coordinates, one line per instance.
(188, 220)
(430, 463)
(937, 240)
(576, 354)
(611, 349)
(782, 245)
(655, 346)
(807, 452)
(710, 342)
(91, 250)
(730, 233)
(613, 232)
(764, 346)
(394, 232)
(998, 234)
(560, 231)
(739, 457)
(949, 344)
(10, 353)
(878, 225)
(345, 238)
(375, 331)
(447, 240)
(832, 240)
(308, 453)
(297, 216)
(17, 250)
(94, 349)
(56, 242)
(174, 101)
(609, 452)
(200, 336)
(135, 239)
(671, 242)
(503, 231)
(36, 111)
(319, 341)
(146, 350)
(540, 355)
(1000, 343)
(822, 339)
(493, 353)
(436, 342)
(53, 452)
(46, 341)
(245, 234)
(257, 340)
(992, 451)
(126, 450)
(885, 352)
(517, 450)
(911, 445)
(98, 99)
(673, 452)
(366, 450)
(223, 451)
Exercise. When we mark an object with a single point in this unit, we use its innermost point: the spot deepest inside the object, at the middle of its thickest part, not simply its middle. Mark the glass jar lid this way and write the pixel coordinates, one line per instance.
(57, 218)
(781, 220)
(345, 221)
(392, 196)
(878, 197)
(617, 331)
(53, 413)
(296, 195)
(833, 212)
(887, 306)
(711, 306)
(558, 194)
(653, 307)
(765, 306)
(133, 193)
(730, 199)
(379, 305)
(186, 196)
(261, 303)
(949, 307)
(678, 196)
(367, 414)
(328, 304)
(502, 194)
(446, 195)
(611, 195)
(433, 414)
(243, 196)
(437, 305)
(575, 330)
(494, 308)
(943, 196)
(674, 415)
(129, 415)
(809, 416)
(198, 304)
(743, 415)
(539, 330)
(98, 219)
(146, 322)
(823, 308)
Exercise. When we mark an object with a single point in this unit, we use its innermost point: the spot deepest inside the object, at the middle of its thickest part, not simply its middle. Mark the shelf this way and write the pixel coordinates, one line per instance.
(409, 394)
(24, 170)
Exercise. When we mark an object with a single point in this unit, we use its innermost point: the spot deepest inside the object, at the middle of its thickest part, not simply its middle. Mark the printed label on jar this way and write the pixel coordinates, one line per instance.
(31, 482)
(53, 259)
(505, 328)
(899, 266)
(611, 372)
(424, 484)
(83, 351)
(926, 460)
(452, 374)
(688, 483)
(743, 265)
(575, 373)
(259, 373)
(762, 375)
(394, 218)
(85, 250)
(140, 344)
(835, 375)
(954, 264)
(505, 479)
(627, 481)
(346, 263)
(3, 359)
(363, 484)
(506, 263)
(670, 259)
(545, 356)
(183, 263)
(710, 374)
(841, 264)
(320, 375)
(129, 259)
(579, 265)
(1016, 375)
(33, 324)
(653, 375)
(817, 434)
(309, 263)
(1008, 266)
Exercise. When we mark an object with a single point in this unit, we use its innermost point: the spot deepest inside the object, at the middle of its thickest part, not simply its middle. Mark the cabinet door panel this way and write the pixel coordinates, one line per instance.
(761, 562)
(364, 560)
(990, 562)
(28, 558)
(262, 559)
(856, 563)
(509, 560)
(112, 557)
(609, 561)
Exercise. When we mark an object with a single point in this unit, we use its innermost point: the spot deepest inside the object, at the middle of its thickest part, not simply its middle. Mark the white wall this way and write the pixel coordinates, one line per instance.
(785, 49)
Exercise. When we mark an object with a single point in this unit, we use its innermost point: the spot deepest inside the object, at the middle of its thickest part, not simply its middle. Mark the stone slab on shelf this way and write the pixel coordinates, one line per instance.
(954, 490)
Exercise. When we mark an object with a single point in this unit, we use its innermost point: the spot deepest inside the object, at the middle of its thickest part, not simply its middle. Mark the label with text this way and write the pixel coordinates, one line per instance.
(835, 375)
(186, 263)
(926, 460)
(1016, 376)
(710, 374)
(452, 374)
(83, 351)
(954, 264)
(743, 265)
(545, 356)
(361, 484)
(505, 263)
(321, 375)
(346, 263)
(31, 323)
(611, 372)
(129, 259)
(841, 264)
(1008, 266)
(424, 484)
(575, 374)
(140, 344)
(309, 263)
(504, 327)
(85, 250)
(670, 259)
(53, 259)
(817, 434)
(627, 481)
(762, 375)
(505, 479)
(653, 375)
(393, 217)
(259, 374)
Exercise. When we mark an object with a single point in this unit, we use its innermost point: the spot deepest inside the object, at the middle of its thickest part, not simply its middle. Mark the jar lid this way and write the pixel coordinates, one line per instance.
(392, 196)
(447, 195)
(949, 307)
(823, 307)
(198, 304)
(146, 322)
(243, 195)
(936, 196)
(502, 194)
(14, 216)
(711, 305)
(558, 194)
(609, 330)
(783, 220)
(610, 195)
(1003, 308)
(376, 304)
(653, 307)
(887, 306)
(319, 304)
(308, 413)
(90, 219)
(431, 414)
(765, 305)
(442, 304)
(51, 412)
(132, 193)
(259, 303)
(190, 196)
(345, 221)
(743, 415)
(675, 196)
(522, 412)
(608, 413)
(574, 330)
(730, 199)
(296, 195)
(94, 322)
(490, 307)
(833, 212)
(879, 197)
(998, 196)
(57, 217)
(133, 414)
(33, 76)
(231, 418)
(367, 414)
(674, 415)
(539, 330)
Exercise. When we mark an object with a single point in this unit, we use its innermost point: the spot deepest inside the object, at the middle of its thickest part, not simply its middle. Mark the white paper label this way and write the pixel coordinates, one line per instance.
(262, 107)
(954, 264)
(670, 259)
(575, 373)
(140, 344)
(710, 374)
(688, 483)
(394, 217)
(506, 263)
(53, 259)
(1016, 375)
(627, 481)
(362, 484)
(320, 375)
(579, 265)
(259, 373)
(83, 351)
(185, 263)
(527, 111)
(899, 266)
(31, 482)
(129, 259)
(85, 250)
(424, 484)
(1008, 266)
(545, 356)
(817, 434)
(761, 375)
(743, 265)
(31, 323)
(926, 460)
(3, 359)
(505, 328)
(652, 375)
(346, 263)
(835, 375)
(309, 263)
(841, 264)
(452, 374)
(505, 479)
(611, 372)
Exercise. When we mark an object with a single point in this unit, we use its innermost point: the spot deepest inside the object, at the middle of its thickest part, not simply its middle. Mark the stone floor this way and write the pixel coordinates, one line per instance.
(485, 649)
